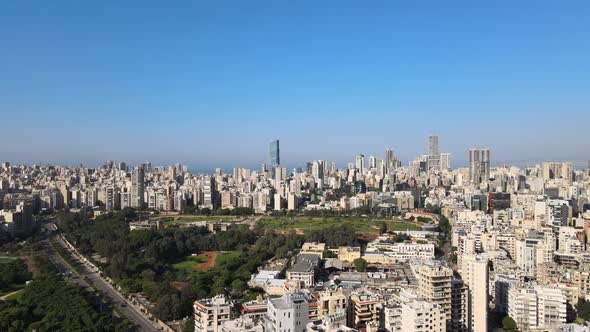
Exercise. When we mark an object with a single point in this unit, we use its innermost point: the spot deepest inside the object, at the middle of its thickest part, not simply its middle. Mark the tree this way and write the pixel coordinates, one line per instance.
(402, 237)
(583, 310)
(360, 265)
(329, 254)
(383, 227)
(238, 285)
(509, 324)
(189, 325)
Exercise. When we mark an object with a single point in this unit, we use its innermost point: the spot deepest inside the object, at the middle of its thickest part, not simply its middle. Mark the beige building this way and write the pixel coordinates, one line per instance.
(348, 254)
(209, 314)
(330, 302)
(434, 284)
(475, 274)
(227, 199)
(363, 309)
(313, 248)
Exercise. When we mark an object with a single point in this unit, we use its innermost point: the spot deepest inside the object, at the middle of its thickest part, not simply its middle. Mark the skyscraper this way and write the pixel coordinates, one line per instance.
(372, 162)
(433, 145)
(479, 165)
(360, 163)
(391, 162)
(275, 155)
(445, 161)
(388, 157)
(485, 164)
(433, 154)
(137, 187)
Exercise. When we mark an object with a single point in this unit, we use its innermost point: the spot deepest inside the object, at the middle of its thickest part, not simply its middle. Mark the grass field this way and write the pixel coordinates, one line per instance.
(6, 259)
(185, 219)
(359, 224)
(190, 264)
(226, 256)
(206, 261)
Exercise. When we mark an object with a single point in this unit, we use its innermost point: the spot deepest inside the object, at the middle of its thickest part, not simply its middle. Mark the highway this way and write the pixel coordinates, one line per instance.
(132, 313)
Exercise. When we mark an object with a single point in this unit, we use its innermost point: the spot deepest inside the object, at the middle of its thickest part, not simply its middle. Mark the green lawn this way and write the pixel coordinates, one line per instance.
(190, 263)
(226, 256)
(186, 219)
(359, 224)
(7, 259)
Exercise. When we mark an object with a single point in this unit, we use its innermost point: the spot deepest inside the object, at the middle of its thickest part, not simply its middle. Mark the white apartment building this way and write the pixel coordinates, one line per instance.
(536, 307)
(289, 313)
(422, 316)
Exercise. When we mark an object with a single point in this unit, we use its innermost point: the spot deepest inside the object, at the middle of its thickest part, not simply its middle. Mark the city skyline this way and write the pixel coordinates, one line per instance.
(216, 83)
(274, 157)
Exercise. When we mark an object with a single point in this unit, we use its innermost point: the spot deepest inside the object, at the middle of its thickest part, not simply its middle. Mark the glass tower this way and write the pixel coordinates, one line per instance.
(275, 156)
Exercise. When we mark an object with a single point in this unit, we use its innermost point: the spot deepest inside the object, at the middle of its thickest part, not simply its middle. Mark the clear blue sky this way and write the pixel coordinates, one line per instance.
(211, 83)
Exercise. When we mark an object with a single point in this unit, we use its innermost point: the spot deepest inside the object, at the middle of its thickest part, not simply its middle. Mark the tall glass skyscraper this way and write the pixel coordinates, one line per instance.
(275, 155)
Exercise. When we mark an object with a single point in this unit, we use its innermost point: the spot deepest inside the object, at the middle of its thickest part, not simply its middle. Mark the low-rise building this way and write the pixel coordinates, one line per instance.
(289, 313)
(304, 269)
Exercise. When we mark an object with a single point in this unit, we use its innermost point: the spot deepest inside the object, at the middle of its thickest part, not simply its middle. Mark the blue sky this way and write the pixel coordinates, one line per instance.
(211, 83)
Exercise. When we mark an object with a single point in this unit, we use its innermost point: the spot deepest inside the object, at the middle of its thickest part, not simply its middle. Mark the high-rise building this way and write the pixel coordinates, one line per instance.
(317, 170)
(433, 157)
(485, 164)
(208, 188)
(372, 162)
(557, 170)
(433, 145)
(475, 274)
(388, 160)
(391, 162)
(474, 166)
(275, 153)
(434, 284)
(445, 161)
(535, 307)
(66, 194)
(172, 172)
(137, 188)
(459, 306)
(479, 165)
(360, 163)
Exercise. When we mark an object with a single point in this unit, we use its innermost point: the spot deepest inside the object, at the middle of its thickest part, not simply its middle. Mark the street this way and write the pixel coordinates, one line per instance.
(133, 314)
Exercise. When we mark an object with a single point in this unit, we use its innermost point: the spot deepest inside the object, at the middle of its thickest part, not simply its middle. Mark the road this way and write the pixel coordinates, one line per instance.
(132, 313)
